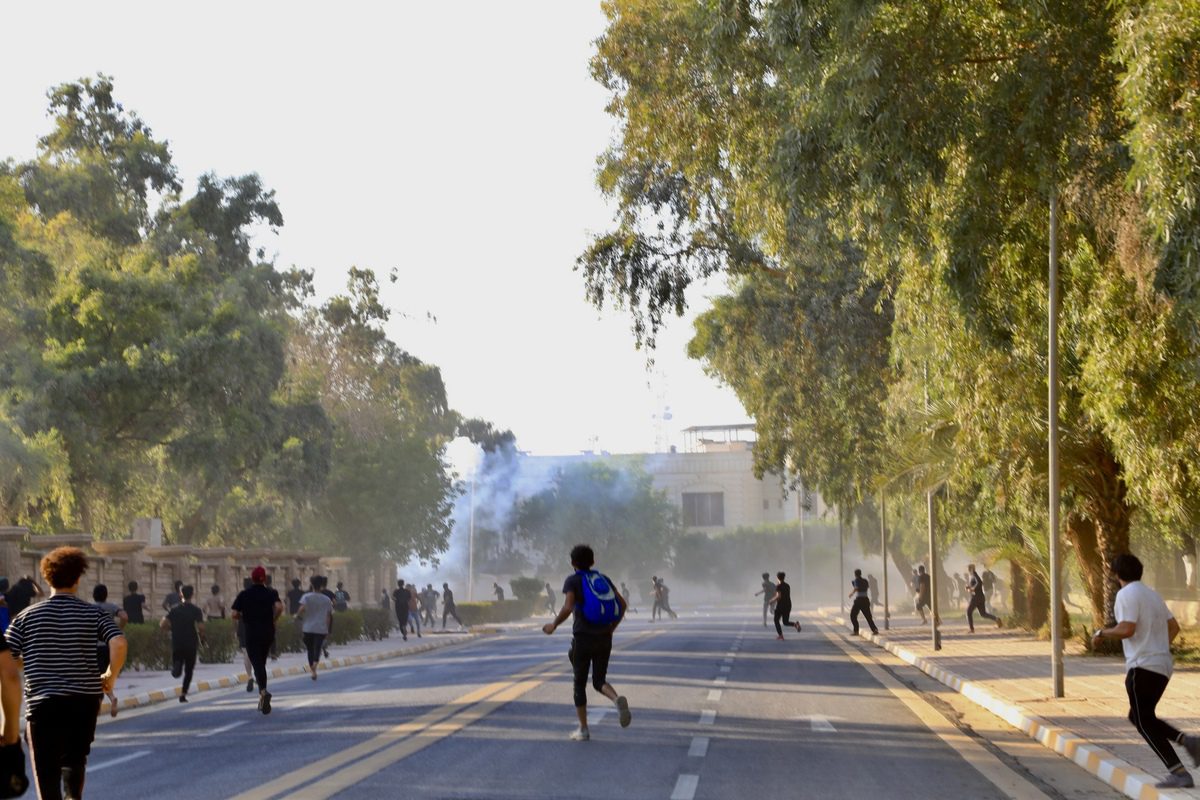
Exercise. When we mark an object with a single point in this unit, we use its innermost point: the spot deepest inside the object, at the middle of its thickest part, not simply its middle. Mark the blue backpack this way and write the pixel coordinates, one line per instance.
(599, 604)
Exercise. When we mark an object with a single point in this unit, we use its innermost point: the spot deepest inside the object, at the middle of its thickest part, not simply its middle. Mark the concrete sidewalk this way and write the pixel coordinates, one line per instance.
(1008, 672)
(135, 689)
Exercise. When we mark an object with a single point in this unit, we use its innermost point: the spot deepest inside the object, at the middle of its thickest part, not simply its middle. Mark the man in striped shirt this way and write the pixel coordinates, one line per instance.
(55, 642)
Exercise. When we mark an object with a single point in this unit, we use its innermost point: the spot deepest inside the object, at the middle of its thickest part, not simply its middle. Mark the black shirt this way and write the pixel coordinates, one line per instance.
(257, 607)
(975, 584)
(861, 586)
(579, 623)
(785, 594)
(447, 598)
(184, 618)
(134, 603)
(923, 584)
(293, 597)
(19, 597)
(400, 599)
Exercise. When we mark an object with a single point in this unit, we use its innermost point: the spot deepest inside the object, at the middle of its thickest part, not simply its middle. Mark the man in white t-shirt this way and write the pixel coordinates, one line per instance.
(1146, 628)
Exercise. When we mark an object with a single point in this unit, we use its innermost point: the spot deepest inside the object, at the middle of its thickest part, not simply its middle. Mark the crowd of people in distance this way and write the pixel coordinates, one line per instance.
(415, 606)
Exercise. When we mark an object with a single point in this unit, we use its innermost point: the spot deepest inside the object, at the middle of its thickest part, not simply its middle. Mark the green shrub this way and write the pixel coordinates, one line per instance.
(527, 588)
(149, 647)
(496, 611)
(220, 642)
(377, 623)
(347, 627)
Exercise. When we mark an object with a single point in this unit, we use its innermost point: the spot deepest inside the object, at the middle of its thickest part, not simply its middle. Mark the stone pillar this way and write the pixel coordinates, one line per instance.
(171, 563)
(127, 555)
(11, 539)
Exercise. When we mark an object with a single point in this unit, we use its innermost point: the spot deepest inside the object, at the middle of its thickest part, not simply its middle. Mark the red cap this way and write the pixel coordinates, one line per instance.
(259, 574)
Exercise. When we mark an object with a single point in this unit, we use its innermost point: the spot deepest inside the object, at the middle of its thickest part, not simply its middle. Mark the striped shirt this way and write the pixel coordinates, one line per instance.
(57, 640)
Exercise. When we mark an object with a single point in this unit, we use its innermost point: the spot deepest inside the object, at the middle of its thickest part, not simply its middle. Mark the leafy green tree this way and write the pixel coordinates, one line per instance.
(763, 137)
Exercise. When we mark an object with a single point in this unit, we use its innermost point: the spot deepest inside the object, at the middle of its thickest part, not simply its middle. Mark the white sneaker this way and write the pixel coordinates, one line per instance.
(580, 735)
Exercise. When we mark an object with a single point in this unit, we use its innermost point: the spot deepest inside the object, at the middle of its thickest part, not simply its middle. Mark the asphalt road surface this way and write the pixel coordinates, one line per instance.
(720, 710)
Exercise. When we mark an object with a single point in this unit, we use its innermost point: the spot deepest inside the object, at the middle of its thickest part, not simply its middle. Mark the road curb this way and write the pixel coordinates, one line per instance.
(162, 695)
(1114, 771)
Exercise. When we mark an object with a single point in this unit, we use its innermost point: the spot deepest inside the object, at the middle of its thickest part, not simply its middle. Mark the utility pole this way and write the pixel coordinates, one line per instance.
(803, 560)
(933, 572)
(1056, 641)
(841, 561)
(471, 546)
(887, 625)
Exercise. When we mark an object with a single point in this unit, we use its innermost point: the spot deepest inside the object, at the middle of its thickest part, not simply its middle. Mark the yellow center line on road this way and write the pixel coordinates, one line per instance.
(406, 738)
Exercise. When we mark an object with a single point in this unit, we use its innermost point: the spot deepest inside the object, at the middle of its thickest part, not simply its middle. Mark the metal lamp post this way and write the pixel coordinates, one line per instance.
(1056, 641)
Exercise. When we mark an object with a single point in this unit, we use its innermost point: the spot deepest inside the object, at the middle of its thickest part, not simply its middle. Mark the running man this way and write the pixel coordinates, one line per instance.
(259, 607)
(240, 627)
(921, 583)
(782, 599)
(860, 589)
(656, 591)
(550, 606)
(625, 596)
(499, 592)
(1146, 629)
(293, 597)
(316, 614)
(975, 587)
(13, 780)
(214, 604)
(400, 597)
(448, 607)
(118, 615)
(172, 598)
(55, 642)
(591, 639)
(767, 591)
(186, 623)
(135, 605)
(429, 599)
(414, 612)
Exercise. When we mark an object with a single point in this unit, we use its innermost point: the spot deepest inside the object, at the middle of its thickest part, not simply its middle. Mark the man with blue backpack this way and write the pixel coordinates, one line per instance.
(598, 609)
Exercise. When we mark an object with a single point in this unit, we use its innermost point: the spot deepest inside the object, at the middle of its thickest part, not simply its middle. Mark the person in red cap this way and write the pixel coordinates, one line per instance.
(258, 607)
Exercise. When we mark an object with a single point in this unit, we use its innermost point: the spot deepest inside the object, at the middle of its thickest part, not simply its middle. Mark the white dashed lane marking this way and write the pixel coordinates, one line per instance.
(708, 716)
(114, 762)
(685, 787)
(224, 728)
(714, 695)
(720, 681)
(699, 748)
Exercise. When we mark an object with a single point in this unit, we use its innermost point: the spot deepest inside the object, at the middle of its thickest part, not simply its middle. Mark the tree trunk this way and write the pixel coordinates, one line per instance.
(1016, 587)
(1112, 527)
(1082, 533)
(1037, 600)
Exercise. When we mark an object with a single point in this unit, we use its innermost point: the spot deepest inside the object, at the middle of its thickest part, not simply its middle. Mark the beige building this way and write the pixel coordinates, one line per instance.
(712, 482)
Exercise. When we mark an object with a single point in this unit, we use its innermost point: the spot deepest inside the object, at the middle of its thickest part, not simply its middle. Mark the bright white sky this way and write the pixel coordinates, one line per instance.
(453, 142)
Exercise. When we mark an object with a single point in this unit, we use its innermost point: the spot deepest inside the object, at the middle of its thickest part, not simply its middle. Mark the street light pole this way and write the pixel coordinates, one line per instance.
(803, 561)
(471, 546)
(1056, 641)
(887, 617)
(933, 574)
(841, 562)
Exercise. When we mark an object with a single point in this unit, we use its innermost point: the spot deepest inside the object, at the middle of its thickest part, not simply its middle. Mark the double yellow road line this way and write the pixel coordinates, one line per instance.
(347, 767)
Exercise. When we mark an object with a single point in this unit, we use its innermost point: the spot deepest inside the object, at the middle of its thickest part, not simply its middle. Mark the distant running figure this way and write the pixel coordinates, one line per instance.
(975, 587)
(656, 591)
(767, 591)
(550, 606)
(186, 623)
(783, 606)
(214, 605)
(664, 593)
(499, 592)
(316, 615)
(448, 607)
(134, 604)
(597, 609)
(860, 589)
(429, 599)
(629, 609)
(400, 597)
(923, 593)
(414, 611)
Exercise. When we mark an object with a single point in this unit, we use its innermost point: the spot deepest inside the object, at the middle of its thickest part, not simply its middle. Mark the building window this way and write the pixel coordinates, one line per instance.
(704, 509)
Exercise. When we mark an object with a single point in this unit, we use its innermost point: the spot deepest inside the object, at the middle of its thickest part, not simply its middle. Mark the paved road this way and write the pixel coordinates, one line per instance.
(721, 710)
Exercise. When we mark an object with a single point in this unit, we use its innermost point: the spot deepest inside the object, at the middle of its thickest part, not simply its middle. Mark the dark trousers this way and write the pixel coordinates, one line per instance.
(589, 652)
(449, 611)
(60, 731)
(258, 648)
(402, 620)
(784, 613)
(862, 606)
(1145, 689)
(183, 662)
(313, 642)
(976, 604)
(430, 617)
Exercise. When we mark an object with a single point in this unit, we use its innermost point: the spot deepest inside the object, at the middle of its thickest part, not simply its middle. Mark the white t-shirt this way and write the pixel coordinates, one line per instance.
(1150, 645)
